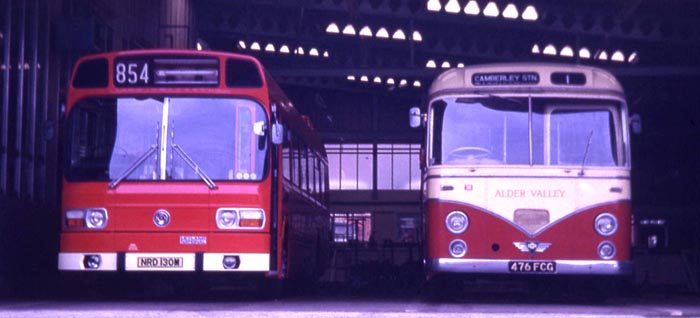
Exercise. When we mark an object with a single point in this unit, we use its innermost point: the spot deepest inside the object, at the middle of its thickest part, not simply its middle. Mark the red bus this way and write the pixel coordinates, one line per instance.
(526, 172)
(190, 161)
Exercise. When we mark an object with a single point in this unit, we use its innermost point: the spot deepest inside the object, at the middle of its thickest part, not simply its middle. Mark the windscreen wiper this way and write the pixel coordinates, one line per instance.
(585, 153)
(190, 162)
(132, 167)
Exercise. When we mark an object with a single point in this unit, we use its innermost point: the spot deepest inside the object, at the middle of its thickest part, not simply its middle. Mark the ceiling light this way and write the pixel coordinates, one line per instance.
(491, 10)
(325, 54)
(199, 46)
(284, 49)
(602, 55)
(550, 50)
(633, 58)
(618, 56)
(566, 51)
(382, 33)
(349, 30)
(364, 78)
(351, 78)
(390, 81)
(452, 6)
(434, 5)
(255, 46)
(270, 48)
(377, 80)
(399, 35)
(332, 28)
(460, 65)
(403, 83)
(535, 49)
(417, 37)
(472, 8)
(510, 12)
(445, 64)
(416, 83)
(313, 52)
(530, 13)
(299, 50)
(241, 44)
(584, 53)
(430, 64)
(366, 31)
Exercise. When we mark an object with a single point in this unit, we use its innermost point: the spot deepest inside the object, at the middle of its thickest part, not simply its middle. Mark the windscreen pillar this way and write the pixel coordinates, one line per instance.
(176, 24)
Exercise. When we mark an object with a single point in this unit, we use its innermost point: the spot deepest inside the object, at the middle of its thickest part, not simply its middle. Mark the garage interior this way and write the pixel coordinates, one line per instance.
(355, 67)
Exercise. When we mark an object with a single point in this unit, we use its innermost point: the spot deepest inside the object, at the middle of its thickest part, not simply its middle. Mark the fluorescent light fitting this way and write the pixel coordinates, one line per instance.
(452, 6)
(566, 51)
(472, 8)
(270, 48)
(530, 13)
(325, 54)
(399, 35)
(535, 49)
(584, 53)
(491, 10)
(417, 37)
(284, 49)
(460, 65)
(377, 80)
(364, 78)
(351, 78)
(403, 83)
(255, 46)
(390, 81)
(382, 33)
(349, 30)
(366, 31)
(445, 64)
(510, 12)
(633, 58)
(332, 28)
(434, 5)
(602, 55)
(618, 56)
(549, 50)
(416, 83)
(299, 51)
(313, 51)
(241, 44)
(199, 46)
(431, 64)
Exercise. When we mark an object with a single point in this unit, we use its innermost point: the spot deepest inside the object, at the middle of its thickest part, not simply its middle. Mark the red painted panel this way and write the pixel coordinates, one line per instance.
(164, 242)
(491, 237)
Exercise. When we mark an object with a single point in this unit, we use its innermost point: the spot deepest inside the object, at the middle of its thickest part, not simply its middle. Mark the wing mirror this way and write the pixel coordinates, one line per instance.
(415, 118)
(277, 129)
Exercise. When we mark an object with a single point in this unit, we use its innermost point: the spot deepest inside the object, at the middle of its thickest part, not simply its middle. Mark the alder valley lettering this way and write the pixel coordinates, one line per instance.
(530, 193)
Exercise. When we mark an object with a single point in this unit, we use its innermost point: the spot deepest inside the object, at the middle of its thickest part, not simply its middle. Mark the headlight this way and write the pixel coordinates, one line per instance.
(458, 248)
(91, 218)
(605, 224)
(606, 250)
(226, 219)
(457, 222)
(96, 218)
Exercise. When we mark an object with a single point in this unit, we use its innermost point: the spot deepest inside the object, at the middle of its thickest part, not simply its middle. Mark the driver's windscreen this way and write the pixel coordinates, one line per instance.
(164, 138)
(495, 130)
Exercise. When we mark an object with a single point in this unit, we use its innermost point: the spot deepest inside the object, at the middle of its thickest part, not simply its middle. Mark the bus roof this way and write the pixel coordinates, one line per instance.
(525, 77)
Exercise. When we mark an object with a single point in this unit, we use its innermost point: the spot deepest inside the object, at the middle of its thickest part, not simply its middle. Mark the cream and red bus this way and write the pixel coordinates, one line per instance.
(526, 171)
(189, 161)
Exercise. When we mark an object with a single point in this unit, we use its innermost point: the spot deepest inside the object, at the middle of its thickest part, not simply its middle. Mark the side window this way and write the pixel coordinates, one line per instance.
(287, 157)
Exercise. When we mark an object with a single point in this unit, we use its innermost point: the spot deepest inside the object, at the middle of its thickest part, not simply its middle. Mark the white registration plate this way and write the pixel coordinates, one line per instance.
(532, 266)
(159, 262)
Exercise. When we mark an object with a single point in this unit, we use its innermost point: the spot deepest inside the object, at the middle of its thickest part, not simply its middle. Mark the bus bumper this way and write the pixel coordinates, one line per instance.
(208, 262)
(563, 267)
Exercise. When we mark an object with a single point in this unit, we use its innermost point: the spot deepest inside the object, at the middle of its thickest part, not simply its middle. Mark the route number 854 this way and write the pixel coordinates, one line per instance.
(131, 74)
